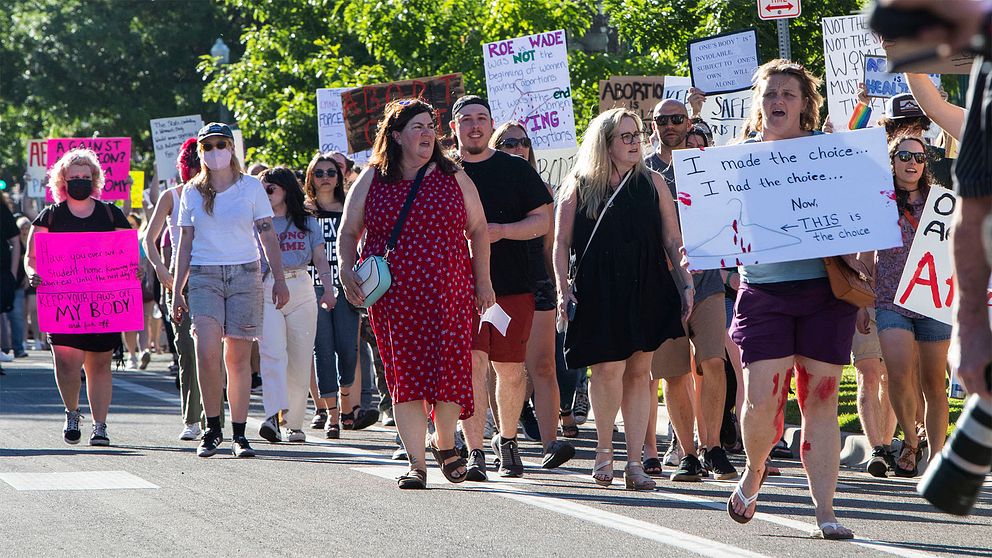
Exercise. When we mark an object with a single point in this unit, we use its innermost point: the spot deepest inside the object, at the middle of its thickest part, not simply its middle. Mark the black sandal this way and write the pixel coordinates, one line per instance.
(332, 430)
(348, 420)
(414, 479)
(449, 470)
(568, 430)
(652, 467)
(364, 418)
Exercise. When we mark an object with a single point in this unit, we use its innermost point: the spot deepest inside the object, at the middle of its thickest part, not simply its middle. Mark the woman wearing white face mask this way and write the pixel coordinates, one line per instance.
(219, 256)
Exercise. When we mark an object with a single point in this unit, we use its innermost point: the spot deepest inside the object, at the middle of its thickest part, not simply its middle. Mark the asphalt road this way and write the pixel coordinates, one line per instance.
(148, 494)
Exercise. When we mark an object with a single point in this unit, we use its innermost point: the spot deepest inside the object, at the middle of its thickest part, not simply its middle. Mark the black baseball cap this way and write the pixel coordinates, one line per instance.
(214, 129)
(466, 100)
(905, 106)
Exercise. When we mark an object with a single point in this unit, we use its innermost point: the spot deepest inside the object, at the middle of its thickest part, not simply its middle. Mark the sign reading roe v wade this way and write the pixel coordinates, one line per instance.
(780, 201)
(88, 282)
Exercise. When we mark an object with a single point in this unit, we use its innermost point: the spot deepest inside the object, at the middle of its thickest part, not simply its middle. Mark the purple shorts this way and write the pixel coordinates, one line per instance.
(803, 318)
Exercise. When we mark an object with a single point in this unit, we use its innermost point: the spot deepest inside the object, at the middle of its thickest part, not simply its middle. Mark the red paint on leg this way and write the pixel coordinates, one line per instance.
(804, 450)
(775, 384)
(802, 385)
(783, 398)
(826, 388)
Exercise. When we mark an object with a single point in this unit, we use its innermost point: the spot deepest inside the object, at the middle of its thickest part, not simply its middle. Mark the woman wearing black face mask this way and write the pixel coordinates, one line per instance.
(74, 181)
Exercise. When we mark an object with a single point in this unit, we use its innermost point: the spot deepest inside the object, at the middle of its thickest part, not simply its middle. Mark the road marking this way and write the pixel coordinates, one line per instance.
(78, 480)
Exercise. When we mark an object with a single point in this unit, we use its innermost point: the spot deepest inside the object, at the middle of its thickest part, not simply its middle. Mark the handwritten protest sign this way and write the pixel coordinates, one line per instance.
(37, 170)
(881, 83)
(927, 284)
(88, 282)
(780, 201)
(846, 42)
(527, 80)
(725, 114)
(554, 164)
(903, 49)
(115, 160)
(637, 93)
(363, 107)
(331, 133)
(724, 63)
(168, 135)
(137, 189)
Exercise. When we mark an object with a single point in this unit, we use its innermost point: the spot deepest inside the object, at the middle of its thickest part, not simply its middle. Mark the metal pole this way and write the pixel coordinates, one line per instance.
(784, 43)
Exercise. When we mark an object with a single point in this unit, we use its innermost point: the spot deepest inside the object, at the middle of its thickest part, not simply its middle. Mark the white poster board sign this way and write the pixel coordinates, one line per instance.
(331, 133)
(168, 135)
(846, 42)
(37, 169)
(554, 164)
(880, 83)
(724, 113)
(781, 201)
(527, 80)
(724, 63)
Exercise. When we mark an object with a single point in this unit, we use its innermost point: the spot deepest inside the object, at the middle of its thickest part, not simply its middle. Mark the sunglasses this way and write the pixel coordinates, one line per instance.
(514, 143)
(222, 144)
(632, 138)
(676, 119)
(905, 156)
(321, 173)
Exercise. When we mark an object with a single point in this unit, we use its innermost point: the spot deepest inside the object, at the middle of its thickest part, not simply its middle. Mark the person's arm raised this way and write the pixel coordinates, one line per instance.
(948, 116)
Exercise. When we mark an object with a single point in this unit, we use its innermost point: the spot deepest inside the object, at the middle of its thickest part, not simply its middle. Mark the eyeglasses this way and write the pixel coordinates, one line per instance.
(630, 138)
(270, 189)
(222, 144)
(321, 173)
(905, 156)
(514, 143)
(676, 119)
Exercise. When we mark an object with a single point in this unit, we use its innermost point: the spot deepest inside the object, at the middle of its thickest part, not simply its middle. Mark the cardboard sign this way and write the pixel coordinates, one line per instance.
(780, 201)
(88, 282)
(725, 113)
(959, 63)
(168, 136)
(554, 164)
(115, 160)
(881, 83)
(847, 40)
(724, 63)
(364, 107)
(137, 189)
(331, 133)
(527, 80)
(637, 93)
(37, 170)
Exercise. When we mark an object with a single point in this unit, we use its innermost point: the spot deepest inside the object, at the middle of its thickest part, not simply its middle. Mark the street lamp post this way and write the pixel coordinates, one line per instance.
(222, 55)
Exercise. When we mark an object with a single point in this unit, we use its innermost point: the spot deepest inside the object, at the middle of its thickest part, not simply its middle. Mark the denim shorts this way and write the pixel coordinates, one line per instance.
(230, 295)
(924, 329)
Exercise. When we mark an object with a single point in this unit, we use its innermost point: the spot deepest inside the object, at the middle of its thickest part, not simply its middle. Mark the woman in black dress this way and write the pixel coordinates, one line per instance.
(74, 180)
(627, 301)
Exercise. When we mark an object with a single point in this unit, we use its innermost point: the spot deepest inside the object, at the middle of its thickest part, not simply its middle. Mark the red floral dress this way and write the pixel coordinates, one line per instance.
(423, 324)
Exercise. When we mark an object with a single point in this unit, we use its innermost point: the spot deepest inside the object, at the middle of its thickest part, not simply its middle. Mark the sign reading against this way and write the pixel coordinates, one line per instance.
(847, 40)
(724, 63)
(168, 135)
(927, 283)
(780, 201)
(637, 93)
(363, 107)
(88, 282)
(725, 114)
(958, 63)
(331, 133)
(115, 160)
(881, 83)
(137, 189)
(554, 164)
(37, 171)
(527, 80)
(779, 9)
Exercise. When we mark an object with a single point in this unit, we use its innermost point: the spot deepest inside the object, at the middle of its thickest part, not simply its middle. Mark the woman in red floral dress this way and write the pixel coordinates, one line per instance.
(423, 323)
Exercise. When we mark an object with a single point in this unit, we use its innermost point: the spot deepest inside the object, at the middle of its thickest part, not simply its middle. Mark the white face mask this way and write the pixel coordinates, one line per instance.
(217, 159)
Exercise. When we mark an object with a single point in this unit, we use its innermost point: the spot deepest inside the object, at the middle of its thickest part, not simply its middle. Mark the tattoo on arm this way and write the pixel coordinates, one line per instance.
(264, 225)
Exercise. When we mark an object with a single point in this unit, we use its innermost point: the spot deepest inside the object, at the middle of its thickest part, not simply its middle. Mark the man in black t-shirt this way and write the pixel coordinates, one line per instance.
(518, 208)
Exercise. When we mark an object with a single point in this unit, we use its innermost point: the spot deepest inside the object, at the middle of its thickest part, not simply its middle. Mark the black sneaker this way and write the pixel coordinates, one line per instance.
(529, 423)
(690, 470)
(99, 436)
(510, 464)
(70, 430)
(559, 452)
(270, 429)
(209, 443)
(365, 418)
(728, 430)
(241, 448)
(477, 466)
(878, 464)
(715, 460)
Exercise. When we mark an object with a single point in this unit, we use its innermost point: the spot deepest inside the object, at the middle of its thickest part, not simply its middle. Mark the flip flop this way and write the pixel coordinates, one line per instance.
(747, 501)
(832, 531)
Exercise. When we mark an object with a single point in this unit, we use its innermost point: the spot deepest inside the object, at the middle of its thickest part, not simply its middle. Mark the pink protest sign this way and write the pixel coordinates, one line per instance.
(88, 282)
(115, 160)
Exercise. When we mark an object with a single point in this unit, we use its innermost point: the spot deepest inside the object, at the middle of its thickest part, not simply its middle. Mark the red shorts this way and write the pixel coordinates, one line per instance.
(512, 347)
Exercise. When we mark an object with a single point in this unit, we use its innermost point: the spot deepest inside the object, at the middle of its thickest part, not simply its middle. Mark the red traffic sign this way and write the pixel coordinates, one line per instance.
(779, 9)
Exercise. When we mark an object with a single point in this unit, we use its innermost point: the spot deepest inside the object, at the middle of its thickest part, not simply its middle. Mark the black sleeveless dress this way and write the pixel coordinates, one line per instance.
(627, 299)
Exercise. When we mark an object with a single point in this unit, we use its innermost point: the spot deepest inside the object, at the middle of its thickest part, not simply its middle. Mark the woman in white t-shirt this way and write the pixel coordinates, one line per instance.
(219, 256)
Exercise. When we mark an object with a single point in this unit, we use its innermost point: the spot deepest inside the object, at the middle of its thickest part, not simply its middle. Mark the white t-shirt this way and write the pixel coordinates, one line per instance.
(228, 236)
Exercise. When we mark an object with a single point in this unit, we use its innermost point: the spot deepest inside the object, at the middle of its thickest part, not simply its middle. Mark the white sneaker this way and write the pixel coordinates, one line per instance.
(4, 357)
(132, 363)
(191, 432)
(296, 436)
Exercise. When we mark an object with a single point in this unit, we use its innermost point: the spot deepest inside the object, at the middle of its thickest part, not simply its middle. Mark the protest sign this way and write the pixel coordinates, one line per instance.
(779, 201)
(137, 188)
(881, 83)
(115, 160)
(846, 42)
(725, 114)
(554, 164)
(239, 144)
(637, 93)
(168, 135)
(927, 285)
(724, 63)
(527, 80)
(363, 107)
(905, 49)
(88, 282)
(37, 170)
(331, 133)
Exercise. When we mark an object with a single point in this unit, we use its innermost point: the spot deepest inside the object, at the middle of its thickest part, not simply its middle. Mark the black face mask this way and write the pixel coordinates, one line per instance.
(79, 188)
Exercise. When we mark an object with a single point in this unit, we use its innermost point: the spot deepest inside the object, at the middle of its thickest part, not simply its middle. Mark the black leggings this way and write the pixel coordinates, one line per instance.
(568, 378)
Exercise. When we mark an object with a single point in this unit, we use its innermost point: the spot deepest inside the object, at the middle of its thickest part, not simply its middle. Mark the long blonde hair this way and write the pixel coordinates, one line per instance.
(202, 180)
(590, 177)
(79, 156)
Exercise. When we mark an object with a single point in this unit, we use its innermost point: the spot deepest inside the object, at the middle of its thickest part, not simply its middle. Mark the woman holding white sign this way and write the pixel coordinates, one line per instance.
(787, 318)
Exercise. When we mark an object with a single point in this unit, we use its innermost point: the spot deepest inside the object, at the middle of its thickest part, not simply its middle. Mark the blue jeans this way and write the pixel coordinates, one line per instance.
(15, 319)
(924, 329)
(335, 351)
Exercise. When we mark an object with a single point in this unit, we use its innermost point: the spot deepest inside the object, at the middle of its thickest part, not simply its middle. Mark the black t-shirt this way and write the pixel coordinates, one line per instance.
(509, 189)
(8, 235)
(330, 223)
(106, 217)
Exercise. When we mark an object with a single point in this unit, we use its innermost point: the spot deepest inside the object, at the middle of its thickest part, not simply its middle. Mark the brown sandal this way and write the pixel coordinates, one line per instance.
(414, 479)
(906, 454)
(449, 470)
